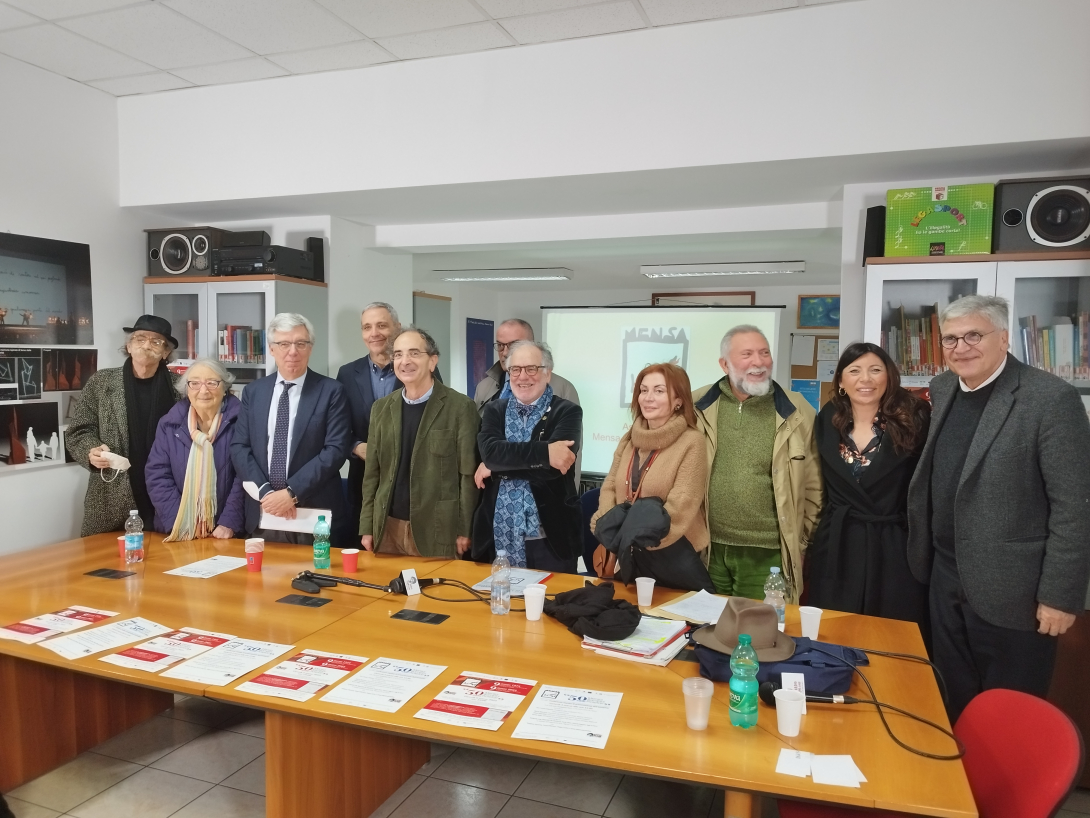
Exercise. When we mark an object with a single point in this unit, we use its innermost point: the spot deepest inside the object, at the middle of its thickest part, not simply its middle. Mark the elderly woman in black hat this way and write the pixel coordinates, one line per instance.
(118, 411)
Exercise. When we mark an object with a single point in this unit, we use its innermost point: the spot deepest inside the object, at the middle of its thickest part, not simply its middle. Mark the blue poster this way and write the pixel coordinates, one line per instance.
(811, 390)
(480, 354)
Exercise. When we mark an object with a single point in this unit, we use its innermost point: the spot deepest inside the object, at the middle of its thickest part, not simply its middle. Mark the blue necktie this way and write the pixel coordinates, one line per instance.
(278, 466)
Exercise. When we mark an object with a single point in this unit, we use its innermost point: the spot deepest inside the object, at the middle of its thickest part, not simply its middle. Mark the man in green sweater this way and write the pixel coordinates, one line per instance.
(764, 477)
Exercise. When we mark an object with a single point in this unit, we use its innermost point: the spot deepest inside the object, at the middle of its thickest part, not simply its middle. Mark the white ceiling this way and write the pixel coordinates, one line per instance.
(615, 264)
(142, 46)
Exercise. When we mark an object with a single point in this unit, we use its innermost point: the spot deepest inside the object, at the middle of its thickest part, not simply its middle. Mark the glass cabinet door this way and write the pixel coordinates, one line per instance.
(903, 306)
(184, 307)
(240, 313)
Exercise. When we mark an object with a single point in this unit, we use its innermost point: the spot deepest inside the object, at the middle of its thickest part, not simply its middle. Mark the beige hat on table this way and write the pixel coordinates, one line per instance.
(759, 620)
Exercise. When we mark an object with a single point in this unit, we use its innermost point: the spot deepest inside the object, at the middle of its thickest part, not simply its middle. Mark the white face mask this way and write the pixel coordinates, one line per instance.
(117, 463)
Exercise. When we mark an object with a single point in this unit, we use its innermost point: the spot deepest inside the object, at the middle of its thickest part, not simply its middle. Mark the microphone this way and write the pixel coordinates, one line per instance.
(310, 583)
(767, 692)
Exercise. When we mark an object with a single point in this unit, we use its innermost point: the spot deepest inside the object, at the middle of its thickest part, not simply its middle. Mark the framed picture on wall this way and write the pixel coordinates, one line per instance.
(819, 312)
(713, 299)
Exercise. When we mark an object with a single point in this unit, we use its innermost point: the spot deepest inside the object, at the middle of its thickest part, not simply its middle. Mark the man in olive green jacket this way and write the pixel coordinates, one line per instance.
(418, 490)
(789, 467)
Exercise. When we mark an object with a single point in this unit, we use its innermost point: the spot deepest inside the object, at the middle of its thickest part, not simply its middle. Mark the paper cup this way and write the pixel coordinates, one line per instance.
(645, 591)
(698, 701)
(811, 620)
(350, 558)
(121, 546)
(254, 544)
(788, 711)
(253, 560)
(534, 598)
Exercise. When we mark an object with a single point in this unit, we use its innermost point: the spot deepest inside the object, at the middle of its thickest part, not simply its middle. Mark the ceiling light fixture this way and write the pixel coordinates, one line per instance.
(508, 274)
(737, 268)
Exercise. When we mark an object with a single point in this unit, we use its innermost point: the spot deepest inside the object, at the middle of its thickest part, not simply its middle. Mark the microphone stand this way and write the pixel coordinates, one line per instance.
(310, 583)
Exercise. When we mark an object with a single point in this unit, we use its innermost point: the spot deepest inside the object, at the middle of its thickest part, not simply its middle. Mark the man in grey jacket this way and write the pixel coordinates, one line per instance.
(999, 509)
(494, 383)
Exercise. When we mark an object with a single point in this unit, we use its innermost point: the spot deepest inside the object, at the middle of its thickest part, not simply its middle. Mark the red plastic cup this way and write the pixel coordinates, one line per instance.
(121, 546)
(253, 560)
(350, 560)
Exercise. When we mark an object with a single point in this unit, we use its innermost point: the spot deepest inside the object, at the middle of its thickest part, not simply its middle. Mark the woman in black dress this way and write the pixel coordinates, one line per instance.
(870, 436)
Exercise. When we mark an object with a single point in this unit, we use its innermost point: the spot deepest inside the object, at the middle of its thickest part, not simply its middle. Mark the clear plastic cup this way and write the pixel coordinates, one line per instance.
(645, 591)
(698, 701)
(534, 597)
(811, 621)
(788, 711)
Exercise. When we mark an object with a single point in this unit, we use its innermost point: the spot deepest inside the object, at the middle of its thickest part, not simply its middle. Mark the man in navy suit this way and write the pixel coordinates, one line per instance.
(365, 381)
(292, 435)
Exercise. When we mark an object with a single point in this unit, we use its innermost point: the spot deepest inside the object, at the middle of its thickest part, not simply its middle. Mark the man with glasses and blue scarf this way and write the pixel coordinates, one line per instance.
(528, 442)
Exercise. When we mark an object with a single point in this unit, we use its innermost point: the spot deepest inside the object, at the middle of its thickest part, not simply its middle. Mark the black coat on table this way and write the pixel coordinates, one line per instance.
(858, 561)
(556, 494)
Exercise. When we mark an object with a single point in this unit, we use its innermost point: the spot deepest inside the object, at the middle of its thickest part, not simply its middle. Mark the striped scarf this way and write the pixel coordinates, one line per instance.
(198, 503)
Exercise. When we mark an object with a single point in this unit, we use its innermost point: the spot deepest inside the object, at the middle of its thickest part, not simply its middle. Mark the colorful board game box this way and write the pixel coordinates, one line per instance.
(939, 221)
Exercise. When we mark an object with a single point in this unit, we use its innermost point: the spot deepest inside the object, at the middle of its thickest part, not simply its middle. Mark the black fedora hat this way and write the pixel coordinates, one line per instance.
(153, 323)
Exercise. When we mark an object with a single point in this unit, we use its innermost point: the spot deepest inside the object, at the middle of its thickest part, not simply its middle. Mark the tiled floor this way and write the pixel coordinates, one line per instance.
(202, 759)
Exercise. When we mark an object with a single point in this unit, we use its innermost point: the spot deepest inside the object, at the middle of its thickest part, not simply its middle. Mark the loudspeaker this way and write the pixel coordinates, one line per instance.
(874, 235)
(316, 247)
(187, 251)
(1049, 214)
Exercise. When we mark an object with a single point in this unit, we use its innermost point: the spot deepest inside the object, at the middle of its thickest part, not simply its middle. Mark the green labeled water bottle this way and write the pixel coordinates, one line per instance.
(321, 544)
(743, 683)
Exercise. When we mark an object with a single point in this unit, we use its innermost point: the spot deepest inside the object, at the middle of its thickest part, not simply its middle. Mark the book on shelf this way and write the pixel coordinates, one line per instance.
(1062, 348)
(190, 338)
(914, 343)
(241, 345)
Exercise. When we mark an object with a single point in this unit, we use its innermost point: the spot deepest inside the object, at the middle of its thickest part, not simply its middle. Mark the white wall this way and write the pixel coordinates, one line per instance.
(466, 301)
(526, 305)
(833, 80)
(59, 166)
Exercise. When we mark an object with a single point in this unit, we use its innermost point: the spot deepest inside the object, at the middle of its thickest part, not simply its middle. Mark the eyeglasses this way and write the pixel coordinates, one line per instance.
(970, 338)
(212, 385)
(532, 371)
(155, 343)
(284, 346)
(500, 347)
(413, 354)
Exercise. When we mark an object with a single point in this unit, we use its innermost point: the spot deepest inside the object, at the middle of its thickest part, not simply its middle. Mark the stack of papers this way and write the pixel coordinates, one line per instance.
(303, 675)
(478, 700)
(384, 685)
(205, 569)
(654, 642)
(33, 630)
(700, 607)
(164, 651)
(840, 771)
(104, 637)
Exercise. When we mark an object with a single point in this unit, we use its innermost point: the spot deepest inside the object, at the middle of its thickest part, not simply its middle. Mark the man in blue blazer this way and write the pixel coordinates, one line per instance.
(292, 434)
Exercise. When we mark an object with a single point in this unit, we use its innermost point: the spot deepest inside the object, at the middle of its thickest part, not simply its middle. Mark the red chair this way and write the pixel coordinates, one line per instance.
(1022, 758)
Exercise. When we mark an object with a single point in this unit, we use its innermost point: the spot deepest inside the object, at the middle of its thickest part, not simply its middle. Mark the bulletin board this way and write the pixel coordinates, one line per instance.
(812, 366)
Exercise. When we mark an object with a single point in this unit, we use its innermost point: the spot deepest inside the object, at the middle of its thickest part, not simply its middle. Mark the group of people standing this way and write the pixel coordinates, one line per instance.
(967, 515)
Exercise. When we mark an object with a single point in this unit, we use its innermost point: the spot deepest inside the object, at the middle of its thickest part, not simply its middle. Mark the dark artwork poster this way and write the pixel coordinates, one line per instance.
(30, 433)
(480, 335)
(67, 370)
(45, 291)
(21, 367)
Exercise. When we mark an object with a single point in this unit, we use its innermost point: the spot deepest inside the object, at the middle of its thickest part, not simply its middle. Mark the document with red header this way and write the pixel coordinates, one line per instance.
(33, 630)
(303, 675)
(385, 684)
(230, 661)
(478, 700)
(104, 637)
(168, 649)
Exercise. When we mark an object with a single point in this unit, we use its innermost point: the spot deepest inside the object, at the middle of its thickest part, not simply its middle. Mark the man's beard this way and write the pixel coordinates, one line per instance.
(754, 389)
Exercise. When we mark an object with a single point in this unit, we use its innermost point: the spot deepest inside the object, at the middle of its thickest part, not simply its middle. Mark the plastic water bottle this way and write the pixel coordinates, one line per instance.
(321, 544)
(134, 538)
(776, 594)
(743, 683)
(501, 584)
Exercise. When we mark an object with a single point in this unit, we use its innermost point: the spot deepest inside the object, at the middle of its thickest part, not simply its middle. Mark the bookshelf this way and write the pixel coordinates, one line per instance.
(226, 319)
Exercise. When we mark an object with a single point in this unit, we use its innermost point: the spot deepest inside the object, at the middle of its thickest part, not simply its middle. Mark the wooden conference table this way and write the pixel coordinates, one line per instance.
(335, 760)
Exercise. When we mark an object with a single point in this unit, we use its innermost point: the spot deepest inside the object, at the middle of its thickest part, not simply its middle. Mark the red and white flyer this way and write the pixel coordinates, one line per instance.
(477, 700)
(303, 675)
(164, 651)
(30, 631)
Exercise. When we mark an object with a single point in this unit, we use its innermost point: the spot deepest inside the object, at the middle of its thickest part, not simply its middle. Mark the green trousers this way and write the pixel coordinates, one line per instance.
(741, 570)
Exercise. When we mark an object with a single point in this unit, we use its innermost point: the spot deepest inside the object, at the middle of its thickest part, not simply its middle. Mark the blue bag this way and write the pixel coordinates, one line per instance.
(825, 675)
